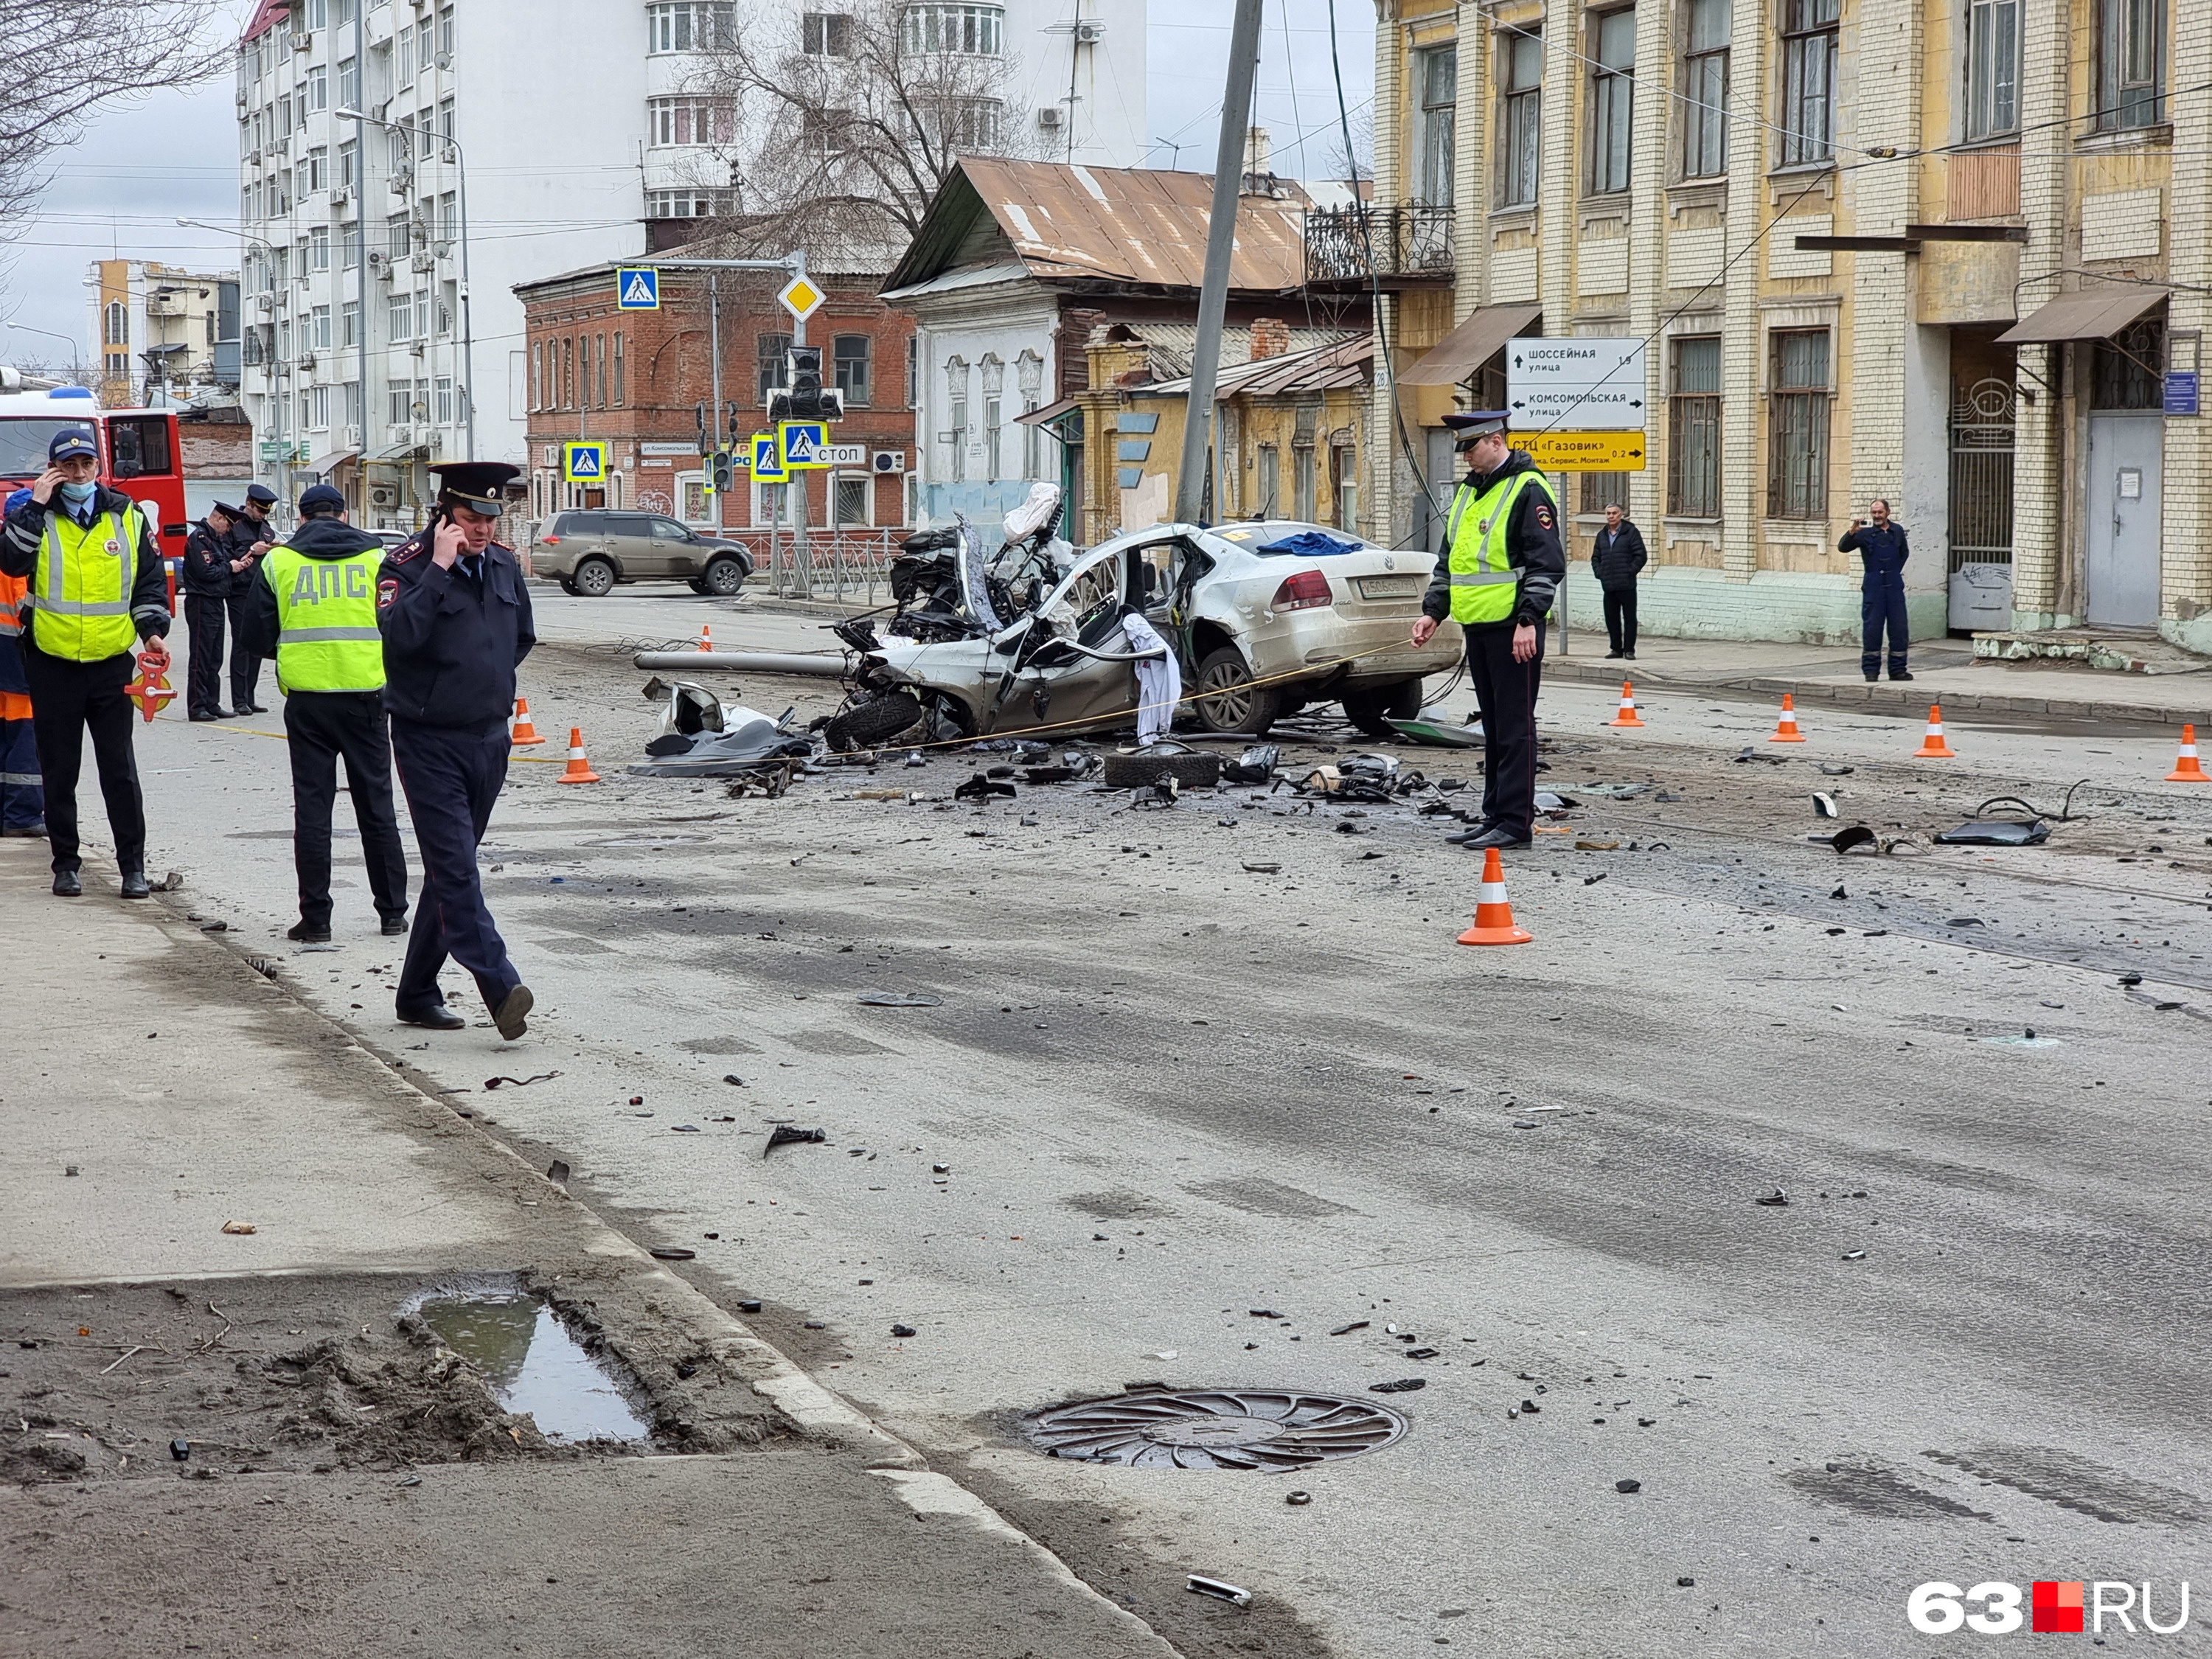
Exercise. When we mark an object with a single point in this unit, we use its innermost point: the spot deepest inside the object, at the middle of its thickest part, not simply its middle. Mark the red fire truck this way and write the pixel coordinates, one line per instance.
(139, 455)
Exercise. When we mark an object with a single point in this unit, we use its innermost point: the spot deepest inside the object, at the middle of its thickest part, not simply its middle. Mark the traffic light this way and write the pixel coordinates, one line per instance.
(724, 469)
(803, 397)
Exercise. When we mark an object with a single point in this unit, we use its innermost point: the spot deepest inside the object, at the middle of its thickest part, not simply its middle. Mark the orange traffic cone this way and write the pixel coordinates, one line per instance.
(580, 769)
(706, 636)
(1932, 747)
(525, 732)
(1493, 916)
(1627, 714)
(2188, 769)
(1785, 729)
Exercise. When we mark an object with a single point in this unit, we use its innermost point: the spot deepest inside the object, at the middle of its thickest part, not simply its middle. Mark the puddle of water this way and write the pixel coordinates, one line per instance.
(534, 1364)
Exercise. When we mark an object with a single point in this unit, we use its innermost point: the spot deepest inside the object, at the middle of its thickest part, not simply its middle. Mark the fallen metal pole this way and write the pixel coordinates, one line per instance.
(742, 662)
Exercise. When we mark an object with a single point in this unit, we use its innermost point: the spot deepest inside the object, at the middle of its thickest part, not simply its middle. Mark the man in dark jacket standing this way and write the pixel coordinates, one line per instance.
(455, 613)
(1615, 558)
(251, 537)
(1500, 568)
(213, 567)
(313, 608)
(1882, 551)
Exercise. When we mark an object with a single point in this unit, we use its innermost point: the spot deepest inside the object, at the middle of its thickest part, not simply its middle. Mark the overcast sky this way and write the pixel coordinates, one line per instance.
(119, 193)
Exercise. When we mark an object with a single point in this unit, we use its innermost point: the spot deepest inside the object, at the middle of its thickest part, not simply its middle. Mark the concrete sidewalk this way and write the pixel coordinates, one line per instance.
(161, 1085)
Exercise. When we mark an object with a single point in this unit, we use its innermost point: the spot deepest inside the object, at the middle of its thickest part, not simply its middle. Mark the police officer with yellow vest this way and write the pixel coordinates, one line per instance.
(313, 608)
(97, 587)
(1501, 566)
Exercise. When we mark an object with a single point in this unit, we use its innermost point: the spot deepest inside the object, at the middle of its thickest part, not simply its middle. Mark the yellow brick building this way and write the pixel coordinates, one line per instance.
(1951, 252)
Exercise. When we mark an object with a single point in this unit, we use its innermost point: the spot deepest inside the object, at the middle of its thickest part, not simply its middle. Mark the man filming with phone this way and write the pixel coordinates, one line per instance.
(455, 615)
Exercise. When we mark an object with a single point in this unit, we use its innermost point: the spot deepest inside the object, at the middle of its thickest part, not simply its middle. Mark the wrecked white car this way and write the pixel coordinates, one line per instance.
(1265, 618)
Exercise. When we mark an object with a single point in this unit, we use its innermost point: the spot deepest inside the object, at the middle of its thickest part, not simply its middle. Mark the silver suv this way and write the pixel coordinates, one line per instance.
(588, 551)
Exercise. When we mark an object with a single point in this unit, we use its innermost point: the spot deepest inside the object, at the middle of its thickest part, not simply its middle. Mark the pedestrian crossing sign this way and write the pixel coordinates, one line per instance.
(768, 459)
(803, 443)
(584, 463)
(637, 287)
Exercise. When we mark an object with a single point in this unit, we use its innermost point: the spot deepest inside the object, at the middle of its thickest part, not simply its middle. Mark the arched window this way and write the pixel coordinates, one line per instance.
(116, 330)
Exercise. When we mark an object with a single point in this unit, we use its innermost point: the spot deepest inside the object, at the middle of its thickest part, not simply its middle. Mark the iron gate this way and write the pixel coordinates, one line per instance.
(1981, 474)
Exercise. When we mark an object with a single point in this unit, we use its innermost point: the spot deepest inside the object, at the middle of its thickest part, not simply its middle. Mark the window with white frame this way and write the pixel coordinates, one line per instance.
(1612, 99)
(350, 83)
(318, 88)
(1267, 478)
(956, 418)
(849, 355)
(826, 35)
(687, 120)
(1797, 436)
(1520, 115)
(318, 329)
(350, 322)
(968, 125)
(1992, 67)
(399, 318)
(318, 247)
(690, 202)
(976, 31)
(1705, 89)
(316, 174)
(348, 173)
(319, 408)
(689, 24)
(1438, 141)
(1809, 30)
(444, 404)
(849, 503)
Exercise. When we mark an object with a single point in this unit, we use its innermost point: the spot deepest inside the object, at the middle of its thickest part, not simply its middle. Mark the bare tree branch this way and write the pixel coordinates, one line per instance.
(70, 58)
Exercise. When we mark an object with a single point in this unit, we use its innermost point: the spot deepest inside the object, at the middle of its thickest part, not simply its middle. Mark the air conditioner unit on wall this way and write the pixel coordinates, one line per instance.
(353, 437)
(401, 437)
(303, 43)
(1089, 34)
(1050, 117)
(889, 460)
(383, 494)
(340, 196)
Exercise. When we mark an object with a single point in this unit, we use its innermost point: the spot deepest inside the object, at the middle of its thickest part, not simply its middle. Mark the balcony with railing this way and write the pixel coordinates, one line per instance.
(1408, 246)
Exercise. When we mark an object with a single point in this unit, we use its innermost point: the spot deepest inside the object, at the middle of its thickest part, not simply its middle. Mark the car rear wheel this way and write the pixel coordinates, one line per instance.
(594, 579)
(1370, 707)
(1227, 701)
(723, 578)
(876, 722)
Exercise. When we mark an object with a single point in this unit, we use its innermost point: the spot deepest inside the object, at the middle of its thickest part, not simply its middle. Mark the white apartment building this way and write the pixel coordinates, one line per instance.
(501, 140)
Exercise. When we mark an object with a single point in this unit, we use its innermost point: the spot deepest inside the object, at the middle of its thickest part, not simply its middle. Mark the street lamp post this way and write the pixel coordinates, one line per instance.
(468, 332)
(276, 364)
(76, 363)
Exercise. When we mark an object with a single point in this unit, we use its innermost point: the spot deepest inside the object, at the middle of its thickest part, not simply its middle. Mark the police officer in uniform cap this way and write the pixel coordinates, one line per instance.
(313, 608)
(252, 536)
(213, 567)
(1501, 566)
(455, 615)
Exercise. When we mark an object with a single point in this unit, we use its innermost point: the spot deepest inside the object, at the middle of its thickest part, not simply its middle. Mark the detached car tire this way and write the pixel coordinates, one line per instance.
(875, 722)
(1150, 766)
(1370, 708)
(1227, 700)
(594, 579)
(723, 578)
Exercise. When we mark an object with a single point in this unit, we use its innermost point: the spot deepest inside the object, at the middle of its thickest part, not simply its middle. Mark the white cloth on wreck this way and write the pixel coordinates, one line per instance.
(1159, 680)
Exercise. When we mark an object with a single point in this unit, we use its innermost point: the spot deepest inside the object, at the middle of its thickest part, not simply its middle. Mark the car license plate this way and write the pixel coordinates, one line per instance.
(1386, 587)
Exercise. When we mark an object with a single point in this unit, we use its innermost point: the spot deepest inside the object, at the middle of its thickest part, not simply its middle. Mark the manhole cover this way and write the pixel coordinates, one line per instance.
(1215, 1429)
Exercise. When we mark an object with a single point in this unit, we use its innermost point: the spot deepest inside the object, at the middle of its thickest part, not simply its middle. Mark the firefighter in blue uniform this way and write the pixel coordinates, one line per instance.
(455, 612)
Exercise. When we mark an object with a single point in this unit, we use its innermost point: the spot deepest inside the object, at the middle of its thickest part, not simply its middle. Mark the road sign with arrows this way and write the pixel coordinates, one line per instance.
(1582, 383)
(1583, 451)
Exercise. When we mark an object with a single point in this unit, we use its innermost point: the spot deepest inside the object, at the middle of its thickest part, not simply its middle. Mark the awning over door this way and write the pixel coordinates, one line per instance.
(2089, 313)
(1470, 345)
(1047, 415)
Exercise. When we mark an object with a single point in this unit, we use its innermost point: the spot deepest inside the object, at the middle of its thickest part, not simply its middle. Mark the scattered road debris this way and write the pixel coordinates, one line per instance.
(785, 1135)
(1403, 1385)
(671, 1253)
(240, 1227)
(1345, 1330)
(1628, 1486)
(1297, 1498)
(1825, 804)
(557, 1172)
(1773, 1198)
(1263, 869)
(900, 1000)
(1220, 1591)
(519, 1082)
(903, 1330)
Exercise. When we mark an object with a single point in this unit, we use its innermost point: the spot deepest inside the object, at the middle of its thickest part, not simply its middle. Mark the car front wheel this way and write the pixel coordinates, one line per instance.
(1227, 701)
(594, 579)
(724, 577)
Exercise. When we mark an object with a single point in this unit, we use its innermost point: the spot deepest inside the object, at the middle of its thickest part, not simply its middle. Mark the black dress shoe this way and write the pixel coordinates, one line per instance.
(66, 884)
(1468, 835)
(440, 1018)
(1496, 836)
(1871, 678)
(1612, 656)
(513, 1014)
(135, 886)
(1631, 655)
(1900, 676)
(27, 831)
(308, 932)
(394, 925)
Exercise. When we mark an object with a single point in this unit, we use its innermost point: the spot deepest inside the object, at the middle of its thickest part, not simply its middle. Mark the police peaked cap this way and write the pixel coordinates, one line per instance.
(1467, 425)
(479, 484)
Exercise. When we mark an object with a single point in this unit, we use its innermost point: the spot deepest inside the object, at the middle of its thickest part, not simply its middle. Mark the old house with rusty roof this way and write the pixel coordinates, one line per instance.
(1015, 267)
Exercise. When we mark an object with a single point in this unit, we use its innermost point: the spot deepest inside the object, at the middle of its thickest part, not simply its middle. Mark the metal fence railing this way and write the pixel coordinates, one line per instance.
(825, 564)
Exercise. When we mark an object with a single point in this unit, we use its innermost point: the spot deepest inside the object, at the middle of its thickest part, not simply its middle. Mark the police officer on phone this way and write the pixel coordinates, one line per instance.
(252, 536)
(455, 615)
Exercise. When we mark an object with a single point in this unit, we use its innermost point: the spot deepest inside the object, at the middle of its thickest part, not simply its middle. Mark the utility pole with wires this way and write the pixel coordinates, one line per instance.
(1195, 473)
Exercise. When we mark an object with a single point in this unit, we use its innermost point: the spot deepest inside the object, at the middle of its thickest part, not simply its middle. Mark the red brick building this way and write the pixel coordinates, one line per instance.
(636, 379)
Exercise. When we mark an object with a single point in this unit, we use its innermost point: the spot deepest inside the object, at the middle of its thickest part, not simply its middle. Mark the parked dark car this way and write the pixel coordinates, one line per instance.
(588, 550)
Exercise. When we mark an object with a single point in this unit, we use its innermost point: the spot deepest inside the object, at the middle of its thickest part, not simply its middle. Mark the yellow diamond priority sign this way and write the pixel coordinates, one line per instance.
(801, 297)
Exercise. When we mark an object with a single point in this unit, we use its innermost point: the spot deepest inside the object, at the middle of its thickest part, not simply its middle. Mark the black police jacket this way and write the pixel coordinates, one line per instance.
(208, 555)
(452, 645)
(1532, 547)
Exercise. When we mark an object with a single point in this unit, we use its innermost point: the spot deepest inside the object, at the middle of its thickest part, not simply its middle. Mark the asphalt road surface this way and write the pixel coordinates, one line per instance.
(1167, 1091)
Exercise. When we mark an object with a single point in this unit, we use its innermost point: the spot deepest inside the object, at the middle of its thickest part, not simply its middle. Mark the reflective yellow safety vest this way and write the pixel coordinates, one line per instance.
(327, 638)
(81, 585)
(1484, 582)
